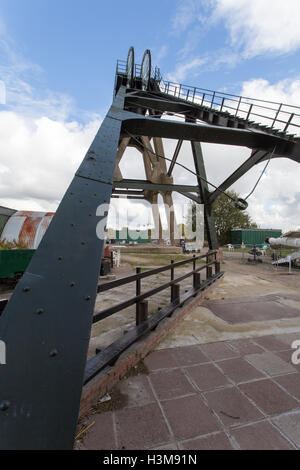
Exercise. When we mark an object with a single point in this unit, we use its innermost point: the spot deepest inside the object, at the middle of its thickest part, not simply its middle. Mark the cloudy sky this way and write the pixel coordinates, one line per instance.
(57, 63)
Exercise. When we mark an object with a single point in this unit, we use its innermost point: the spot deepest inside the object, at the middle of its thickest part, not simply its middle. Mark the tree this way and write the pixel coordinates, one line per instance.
(228, 217)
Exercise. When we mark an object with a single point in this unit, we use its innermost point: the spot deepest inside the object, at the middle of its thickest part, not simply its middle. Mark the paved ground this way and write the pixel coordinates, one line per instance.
(223, 379)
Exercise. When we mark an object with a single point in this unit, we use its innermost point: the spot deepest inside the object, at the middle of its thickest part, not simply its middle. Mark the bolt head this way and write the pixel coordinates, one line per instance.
(4, 405)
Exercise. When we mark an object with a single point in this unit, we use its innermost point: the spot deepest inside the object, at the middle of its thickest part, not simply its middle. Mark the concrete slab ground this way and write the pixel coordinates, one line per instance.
(223, 378)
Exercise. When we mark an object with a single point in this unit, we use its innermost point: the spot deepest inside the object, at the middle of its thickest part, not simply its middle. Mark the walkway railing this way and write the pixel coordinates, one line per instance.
(271, 114)
(144, 324)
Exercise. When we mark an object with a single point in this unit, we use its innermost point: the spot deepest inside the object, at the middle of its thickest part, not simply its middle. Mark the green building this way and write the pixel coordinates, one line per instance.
(253, 236)
(130, 236)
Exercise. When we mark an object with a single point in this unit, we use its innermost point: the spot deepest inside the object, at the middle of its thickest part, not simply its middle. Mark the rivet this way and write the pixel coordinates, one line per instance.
(53, 353)
(40, 311)
(26, 289)
(88, 298)
(72, 284)
(82, 243)
(59, 258)
(4, 405)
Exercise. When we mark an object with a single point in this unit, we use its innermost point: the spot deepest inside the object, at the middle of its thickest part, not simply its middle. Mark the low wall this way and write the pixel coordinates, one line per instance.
(105, 380)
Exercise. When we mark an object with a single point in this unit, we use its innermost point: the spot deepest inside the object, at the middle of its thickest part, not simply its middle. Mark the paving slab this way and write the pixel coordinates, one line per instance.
(207, 376)
(189, 417)
(269, 397)
(272, 343)
(245, 346)
(287, 357)
(270, 363)
(239, 370)
(171, 384)
(232, 407)
(101, 436)
(189, 355)
(218, 351)
(136, 391)
(218, 441)
(141, 427)
(291, 383)
(290, 425)
(260, 436)
(161, 360)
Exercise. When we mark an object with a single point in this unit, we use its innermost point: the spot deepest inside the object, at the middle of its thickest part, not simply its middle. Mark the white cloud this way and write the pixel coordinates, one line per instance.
(254, 27)
(260, 26)
(184, 69)
(39, 158)
(284, 91)
(40, 145)
(186, 13)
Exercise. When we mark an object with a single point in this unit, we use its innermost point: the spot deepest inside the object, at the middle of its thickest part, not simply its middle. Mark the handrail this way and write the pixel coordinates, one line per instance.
(145, 323)
(142, 275)
(238, 107)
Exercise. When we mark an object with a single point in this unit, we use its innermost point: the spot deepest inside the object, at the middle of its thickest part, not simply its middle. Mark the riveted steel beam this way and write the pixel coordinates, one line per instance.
(46, 323)
(204, 193)
(140, 125)
(237, 174)
(142, 184)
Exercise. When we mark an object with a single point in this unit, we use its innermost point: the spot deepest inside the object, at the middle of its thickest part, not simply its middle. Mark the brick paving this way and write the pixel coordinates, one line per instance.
(237, 394)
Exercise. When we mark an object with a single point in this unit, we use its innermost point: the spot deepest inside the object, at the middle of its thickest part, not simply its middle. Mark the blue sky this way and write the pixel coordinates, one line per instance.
(57, 60)
(76, 44)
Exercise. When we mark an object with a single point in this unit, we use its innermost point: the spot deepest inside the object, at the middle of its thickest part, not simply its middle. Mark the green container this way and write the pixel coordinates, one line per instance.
(124, 235)
(14, 262)
(253, 236)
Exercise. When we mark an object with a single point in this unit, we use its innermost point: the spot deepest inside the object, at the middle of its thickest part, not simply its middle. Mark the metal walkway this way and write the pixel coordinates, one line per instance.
(225, 109)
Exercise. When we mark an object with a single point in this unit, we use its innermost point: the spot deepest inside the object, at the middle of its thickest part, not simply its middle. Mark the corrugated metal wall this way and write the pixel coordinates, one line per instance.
(26, 228)
(253, 237)
(5, 214)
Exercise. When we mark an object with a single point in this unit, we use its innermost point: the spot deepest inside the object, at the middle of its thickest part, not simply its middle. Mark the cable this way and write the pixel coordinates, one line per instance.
(179, 164)
(239, 203)
(255, 186)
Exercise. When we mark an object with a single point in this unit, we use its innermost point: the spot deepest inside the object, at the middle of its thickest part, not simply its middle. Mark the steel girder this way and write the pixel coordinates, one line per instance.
(141, 125)
(147, 185)
(204, 194)
(46, 323)
(255, 158)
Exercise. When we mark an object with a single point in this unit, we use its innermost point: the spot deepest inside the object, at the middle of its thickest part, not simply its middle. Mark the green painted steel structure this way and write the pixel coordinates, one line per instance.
(253, 236)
